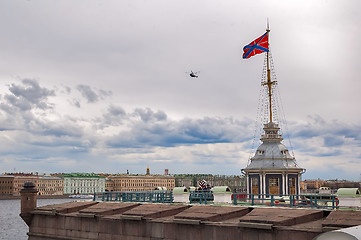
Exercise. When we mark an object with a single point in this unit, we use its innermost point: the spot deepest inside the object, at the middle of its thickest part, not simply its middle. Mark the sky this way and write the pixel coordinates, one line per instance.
(104, 86)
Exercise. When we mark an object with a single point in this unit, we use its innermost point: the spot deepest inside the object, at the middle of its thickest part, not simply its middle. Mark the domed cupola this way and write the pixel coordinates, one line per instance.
(272, 154)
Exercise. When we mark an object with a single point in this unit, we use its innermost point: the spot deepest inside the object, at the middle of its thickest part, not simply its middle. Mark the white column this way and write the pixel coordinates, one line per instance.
(286, 184)
(283, 183)
(260, 182)
(299, 183)
(247, 183)
(264, 183)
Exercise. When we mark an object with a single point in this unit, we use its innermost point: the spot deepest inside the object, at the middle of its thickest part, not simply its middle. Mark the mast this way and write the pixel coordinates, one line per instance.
(269, 83)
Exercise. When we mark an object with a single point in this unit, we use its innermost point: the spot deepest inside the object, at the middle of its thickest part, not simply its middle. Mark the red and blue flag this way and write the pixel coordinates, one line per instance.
(259, 45)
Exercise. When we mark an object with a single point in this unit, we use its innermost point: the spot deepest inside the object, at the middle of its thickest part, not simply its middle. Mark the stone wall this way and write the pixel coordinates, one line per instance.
(134, 221)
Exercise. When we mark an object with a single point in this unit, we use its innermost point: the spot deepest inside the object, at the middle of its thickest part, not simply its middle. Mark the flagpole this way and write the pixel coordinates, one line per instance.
(269, 83)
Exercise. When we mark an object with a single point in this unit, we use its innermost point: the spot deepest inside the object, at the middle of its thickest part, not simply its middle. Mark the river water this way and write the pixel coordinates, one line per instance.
(12, 227)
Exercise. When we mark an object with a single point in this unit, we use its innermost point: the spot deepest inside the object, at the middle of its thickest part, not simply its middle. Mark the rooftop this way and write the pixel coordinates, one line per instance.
(83, 175)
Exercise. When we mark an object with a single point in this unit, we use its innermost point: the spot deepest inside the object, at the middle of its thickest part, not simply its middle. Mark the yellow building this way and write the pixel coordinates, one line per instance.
(19, 183)
(141, 182)
(109, 185)
(6, 184)
(48, 185)
(314, 183)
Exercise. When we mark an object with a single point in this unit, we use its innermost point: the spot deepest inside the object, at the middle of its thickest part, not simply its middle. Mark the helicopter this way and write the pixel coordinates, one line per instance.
(193, 74)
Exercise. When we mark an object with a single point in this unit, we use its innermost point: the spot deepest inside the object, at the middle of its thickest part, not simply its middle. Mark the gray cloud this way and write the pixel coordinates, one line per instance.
(334, 132)
(148, 115)
(116, 111)
(88, 93)
(333, 141)
(27, 96)
(155, 129)
(75, 102)
(113, 117)
(103, 93)
(62, 127)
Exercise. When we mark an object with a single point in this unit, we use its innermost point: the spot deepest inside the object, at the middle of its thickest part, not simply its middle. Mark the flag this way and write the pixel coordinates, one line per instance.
(259, 45)
(202, 183)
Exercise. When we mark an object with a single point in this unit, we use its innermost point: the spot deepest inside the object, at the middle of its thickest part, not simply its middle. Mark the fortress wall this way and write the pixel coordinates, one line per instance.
(134, 221)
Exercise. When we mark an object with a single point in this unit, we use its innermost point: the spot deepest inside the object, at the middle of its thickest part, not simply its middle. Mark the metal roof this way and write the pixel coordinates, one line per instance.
(272, 154)
(350, 192)
(273, 164)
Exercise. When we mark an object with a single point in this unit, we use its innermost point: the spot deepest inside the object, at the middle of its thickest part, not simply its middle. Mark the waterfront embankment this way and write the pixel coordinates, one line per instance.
(10, 197)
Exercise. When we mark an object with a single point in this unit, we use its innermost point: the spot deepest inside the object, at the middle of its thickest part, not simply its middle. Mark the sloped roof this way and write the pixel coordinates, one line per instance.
(272, 150)
(272, 154)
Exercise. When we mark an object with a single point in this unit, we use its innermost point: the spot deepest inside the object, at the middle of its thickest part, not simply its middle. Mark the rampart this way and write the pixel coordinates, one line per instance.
(135, 221)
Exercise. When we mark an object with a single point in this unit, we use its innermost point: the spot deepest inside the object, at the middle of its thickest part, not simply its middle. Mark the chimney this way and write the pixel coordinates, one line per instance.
(166, 172)
(28, 201)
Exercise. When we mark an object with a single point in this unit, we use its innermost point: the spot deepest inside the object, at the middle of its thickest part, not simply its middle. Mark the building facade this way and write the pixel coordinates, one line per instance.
(313, 184)
(141, 182)
(109, 185)
(236, 183)
(83, 183)
(48, 185)
(6, 184)
(19, 182)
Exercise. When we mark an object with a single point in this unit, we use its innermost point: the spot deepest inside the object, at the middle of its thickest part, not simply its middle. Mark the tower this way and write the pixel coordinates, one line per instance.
(272, 170)
(28, 201)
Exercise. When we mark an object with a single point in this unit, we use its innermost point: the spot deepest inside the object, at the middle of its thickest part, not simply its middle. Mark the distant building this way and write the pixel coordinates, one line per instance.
(48, 185)
(19, 182)
(303, 186)
(6, 184)
(184, 180)
(109, 185)
(313, 184)
(83, 183)
(141, 182)
(236, 183)
(336, 184)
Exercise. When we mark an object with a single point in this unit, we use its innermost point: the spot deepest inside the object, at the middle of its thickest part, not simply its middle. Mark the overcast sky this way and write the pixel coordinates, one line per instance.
(101, 86)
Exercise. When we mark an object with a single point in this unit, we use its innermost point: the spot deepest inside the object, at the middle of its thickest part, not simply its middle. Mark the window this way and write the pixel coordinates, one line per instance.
(260, 152)
(274, 185)
(273, 181)
(292, 185)
(254, 185)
